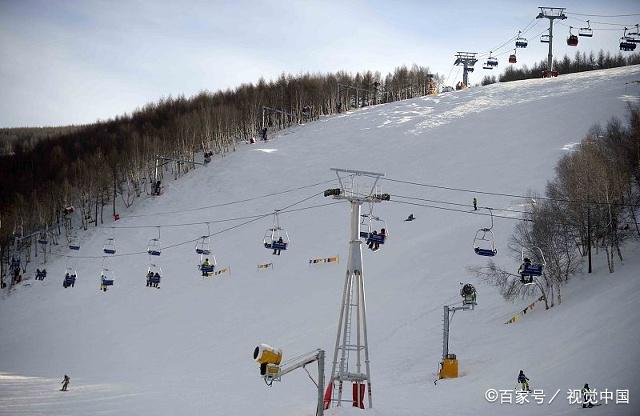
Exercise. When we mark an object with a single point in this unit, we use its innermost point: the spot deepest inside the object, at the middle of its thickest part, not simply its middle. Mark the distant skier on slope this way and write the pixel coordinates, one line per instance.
(65, 382)
(587, 396)
(522, 379)
(410, 218)
(475, 204)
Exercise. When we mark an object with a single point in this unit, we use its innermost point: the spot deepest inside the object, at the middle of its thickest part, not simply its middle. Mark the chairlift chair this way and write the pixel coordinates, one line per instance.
(484, 242)
(74, 243)
(528, 269)
(154, 274)
(109, 246)
(106, 279)
(545, 38)
(512, 58)
(207, 269)
(70, 276)
(42, 238)
(520, 41)
(572, 40)
(276, 238)
(153, 248)
(203, 246)
(626, 46)
(586, 32)
(374, 239)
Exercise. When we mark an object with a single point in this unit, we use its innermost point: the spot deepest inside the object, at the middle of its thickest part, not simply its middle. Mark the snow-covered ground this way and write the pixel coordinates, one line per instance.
(187, 347)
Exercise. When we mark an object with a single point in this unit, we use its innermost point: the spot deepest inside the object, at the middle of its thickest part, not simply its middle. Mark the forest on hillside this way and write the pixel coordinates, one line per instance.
(581, 62)
(44, 172)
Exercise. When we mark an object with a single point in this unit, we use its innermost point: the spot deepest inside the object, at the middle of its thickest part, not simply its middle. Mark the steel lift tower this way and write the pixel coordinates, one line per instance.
(467, 60)
(351, 353)
(551, 13)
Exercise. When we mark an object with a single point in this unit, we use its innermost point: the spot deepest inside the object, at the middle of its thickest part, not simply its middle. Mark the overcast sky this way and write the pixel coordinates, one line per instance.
(73, 62)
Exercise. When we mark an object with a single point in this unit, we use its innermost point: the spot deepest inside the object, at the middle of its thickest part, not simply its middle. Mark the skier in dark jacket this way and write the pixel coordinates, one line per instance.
(65, 382)
(586, 396)
(475, 204)
(522, 379)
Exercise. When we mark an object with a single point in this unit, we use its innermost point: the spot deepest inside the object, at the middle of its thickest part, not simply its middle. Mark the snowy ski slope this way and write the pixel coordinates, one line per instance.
(186, 348)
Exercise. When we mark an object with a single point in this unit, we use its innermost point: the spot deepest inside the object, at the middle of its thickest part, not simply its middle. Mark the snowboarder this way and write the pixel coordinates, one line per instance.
(522, 379)
(586, 396)
(410, 218)
(475, 204)
(65, 382)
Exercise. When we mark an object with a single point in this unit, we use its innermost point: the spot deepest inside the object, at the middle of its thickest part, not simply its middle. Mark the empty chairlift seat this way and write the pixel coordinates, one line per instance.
(109, 246)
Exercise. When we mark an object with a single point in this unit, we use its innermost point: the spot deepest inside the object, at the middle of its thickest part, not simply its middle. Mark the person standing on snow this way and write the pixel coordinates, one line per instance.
(475, 204)
(586, 396)
(65, 382)
(522, 379)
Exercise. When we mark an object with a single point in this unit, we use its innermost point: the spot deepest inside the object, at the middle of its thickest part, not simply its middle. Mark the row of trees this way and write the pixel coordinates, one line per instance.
(580, 62)
(100, 164)
(592, 203)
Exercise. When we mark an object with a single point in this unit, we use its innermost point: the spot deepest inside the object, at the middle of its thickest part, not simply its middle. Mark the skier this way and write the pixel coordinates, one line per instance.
(65, 382)
(157, 279)
(277, 250)
(264, 134)
(524, 266)
(522, 379)
(205, 267)
(586, 396)
(410, 218)
(149, 276)
(475, 204)
(370, 242)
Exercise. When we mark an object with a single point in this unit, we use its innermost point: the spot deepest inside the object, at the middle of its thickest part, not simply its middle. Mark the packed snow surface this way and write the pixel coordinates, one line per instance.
(186, 348)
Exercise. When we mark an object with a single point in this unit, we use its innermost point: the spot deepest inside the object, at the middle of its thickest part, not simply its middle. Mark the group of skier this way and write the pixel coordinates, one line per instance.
(586, 392)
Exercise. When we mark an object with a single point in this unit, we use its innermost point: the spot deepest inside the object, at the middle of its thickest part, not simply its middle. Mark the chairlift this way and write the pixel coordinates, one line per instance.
(626, 46)
(374, 238)
(276, 238)
(545, 38)
(153, 248)
(572, 40)
(636, 33)
(70, 275)
(528, 269)
(106, 279)
(490, 63)
(586, 32)
(74, 243)
(512, 57)
(43, 239)
(154, 274)
(203, 245)
(109, 246)
(41, 274)
(520, 41)
(207, 264)
(484, 242)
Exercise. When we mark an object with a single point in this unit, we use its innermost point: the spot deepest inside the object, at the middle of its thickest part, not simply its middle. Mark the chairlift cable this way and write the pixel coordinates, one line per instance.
(476, 191)
(239, 201)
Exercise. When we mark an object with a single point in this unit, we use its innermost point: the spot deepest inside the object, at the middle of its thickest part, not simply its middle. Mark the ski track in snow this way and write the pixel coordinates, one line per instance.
(186, 348)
